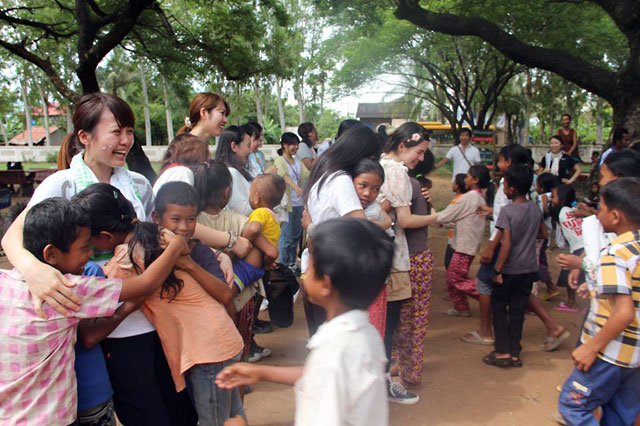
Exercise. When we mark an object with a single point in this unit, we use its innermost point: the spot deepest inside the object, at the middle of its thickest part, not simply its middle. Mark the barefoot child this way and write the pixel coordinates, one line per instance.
(607, 362)
(544, 185)
(342, 381)
(458, 188)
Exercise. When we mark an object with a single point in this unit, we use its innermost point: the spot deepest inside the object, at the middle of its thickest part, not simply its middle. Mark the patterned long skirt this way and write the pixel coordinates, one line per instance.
(378, 312)
(459, 284)
(414, 318)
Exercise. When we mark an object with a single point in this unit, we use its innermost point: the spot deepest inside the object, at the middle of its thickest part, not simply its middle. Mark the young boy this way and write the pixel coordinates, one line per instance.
(37, 379)
(607, 372)
(342, 381)
(516, 267)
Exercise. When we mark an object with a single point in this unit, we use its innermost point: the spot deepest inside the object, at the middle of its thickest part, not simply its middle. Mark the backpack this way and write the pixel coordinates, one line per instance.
(281, 284)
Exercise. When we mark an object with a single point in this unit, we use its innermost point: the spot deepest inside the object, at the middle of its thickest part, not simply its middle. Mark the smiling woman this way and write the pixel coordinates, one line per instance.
(208, 114)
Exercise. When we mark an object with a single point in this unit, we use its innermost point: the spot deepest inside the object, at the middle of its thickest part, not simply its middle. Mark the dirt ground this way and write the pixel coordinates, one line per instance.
(457, 387)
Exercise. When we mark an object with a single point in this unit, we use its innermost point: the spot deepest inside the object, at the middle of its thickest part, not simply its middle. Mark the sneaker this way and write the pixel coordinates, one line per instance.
(398, 394)
(262, 327)
(257, 352)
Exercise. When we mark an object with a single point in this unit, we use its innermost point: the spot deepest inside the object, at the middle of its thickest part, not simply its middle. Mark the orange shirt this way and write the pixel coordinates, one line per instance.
(450, 233)
(194, 328)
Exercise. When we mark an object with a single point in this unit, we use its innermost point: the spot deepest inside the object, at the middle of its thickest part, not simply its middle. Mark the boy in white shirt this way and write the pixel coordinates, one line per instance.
(342, 381)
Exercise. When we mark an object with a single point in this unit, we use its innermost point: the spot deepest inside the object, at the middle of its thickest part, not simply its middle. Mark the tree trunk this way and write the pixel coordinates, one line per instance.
(27, 113)
(45, 111)
(145, 105)
(628, 115)
(599, 121)
(507, 119)
(300, 100)
(283, 124)
(3, 129)
(167, 109)
(256, 89)
(69, 119)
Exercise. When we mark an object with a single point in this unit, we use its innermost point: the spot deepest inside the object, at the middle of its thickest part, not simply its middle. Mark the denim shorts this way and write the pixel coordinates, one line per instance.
(484, 288)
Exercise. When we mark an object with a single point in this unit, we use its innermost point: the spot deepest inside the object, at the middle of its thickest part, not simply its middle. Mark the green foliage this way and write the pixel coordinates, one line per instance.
(327, 124)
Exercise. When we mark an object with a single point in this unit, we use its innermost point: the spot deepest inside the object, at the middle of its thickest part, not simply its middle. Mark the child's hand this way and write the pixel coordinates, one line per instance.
(487, 255)
(583, 291)
(226, 266)
(497, 279)
(484, 210)
(426, 194)
(306, 219)
(184, 262)
(569, 261)
(583, 357)
(238, 374)
(572, 279)
(241, 247)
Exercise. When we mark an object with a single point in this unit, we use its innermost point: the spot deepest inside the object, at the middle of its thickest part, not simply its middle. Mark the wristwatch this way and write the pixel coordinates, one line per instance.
(496, 272)
(233, 237)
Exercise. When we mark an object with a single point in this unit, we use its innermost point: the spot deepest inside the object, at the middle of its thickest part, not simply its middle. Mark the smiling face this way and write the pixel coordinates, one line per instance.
(108, 144)
(367, 187)
(214, 120)
(464, 138)
(625, 141)
(566, 121)
(242, 149)
(73, 261)
(411, 156)
(290, 150)
(181, 220)
(555, 145)
(257, 142)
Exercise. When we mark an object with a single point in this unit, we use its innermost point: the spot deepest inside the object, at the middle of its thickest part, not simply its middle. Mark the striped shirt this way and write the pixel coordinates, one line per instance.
(617, 272)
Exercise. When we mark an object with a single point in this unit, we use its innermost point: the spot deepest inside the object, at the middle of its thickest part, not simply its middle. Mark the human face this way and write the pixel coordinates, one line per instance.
(314, 287)
(78, 255)
(181, 220)
(290, 150)
(605, 175)
(214, 120)
(413, 155)
(257, 142)
(503, 164)
(625, 141)
(606, 217)
(367, 187)
(464, 138)
(313, 136)
(555, 200)
(555, 145)
(254, 196)
(470, 182)
(108, 144)
(566, 121)
(242, 149)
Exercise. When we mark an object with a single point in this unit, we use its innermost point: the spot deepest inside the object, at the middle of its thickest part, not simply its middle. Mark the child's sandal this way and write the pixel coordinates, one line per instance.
(497, 362)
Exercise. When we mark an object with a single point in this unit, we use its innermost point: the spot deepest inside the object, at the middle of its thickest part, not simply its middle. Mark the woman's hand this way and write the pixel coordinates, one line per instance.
(238, 374)
(426, 194)
(226, 266)
(47, 284)
(241, 247)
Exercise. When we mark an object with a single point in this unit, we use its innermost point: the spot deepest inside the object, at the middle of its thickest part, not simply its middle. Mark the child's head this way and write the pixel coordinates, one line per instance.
(112, 215)
(545, 183)
(177, 208)
(594, 188)
(620, 204)
(621, 138)
(563, 196)
(511, 155)
(458, 185)
(212, 181)
(625, 163)
(186, 149)
(267, 191)
(477, 177)
(57, 231)
(517, 181)
(368, 177)
(555, 144)
(349, 258)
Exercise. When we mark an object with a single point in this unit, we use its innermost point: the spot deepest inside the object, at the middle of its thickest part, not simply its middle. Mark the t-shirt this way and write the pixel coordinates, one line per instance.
(270, 225)
(173, 174)
(298, 173)
(523, 220)
(343, 378)
(594, 239)
(336, 198)
(565, 167)
(206, 258)
(540, 201)
(468, 224)
(37, 378)
(374, 213)
(499, 201)
(305, 152)
(225, 220)
(94, 387)
(256, 163)
(417, 237)
(460, 165)
(193, 327)
(571, 228)
(239, 200)
(325, 146)
(605, 154)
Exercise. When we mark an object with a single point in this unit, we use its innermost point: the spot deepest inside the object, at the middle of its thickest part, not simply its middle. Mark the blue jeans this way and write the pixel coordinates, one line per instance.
(290, 236)
(615, 389)
(214, 405)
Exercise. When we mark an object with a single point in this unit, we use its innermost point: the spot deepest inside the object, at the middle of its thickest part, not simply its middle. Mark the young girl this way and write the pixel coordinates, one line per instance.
(368, 177)
(184, 153)
(197, 335)
(544, 185)
(457, 186)
(295, 174)
(563, 198)
(468, 234)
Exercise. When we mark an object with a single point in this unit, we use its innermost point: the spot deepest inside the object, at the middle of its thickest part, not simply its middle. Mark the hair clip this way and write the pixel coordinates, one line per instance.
(416, 137)
(187, 122)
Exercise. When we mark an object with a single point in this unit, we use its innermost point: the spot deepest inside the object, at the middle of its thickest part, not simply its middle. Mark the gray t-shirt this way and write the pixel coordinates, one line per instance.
(417, 237)
(305, 152)
(523, 220)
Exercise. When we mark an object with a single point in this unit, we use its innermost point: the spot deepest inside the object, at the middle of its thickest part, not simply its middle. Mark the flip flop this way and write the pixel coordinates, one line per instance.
(563, 307)
(497, 362)
(477, 339)
(552, 343)
(546, 296)
(455, 313)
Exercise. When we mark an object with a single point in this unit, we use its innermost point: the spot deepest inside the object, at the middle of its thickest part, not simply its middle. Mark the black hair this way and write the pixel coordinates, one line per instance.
(257, 128)
(514, 153)
(547, 182)
(53, 221)
(211, 181)
(618, 134)
(289, 138)
(480, 172)
(519, 177)
(459, 180)
(424, 167)
(109, 210)
(625, 163)
(303, 130)
(623, 194)
(224, 153)
(271, 188)
(566, 195)
(566, 114)
(368, 166)
(405, 135)
(346, 125)
(178, 193)
(354, 145)
(356, 255)
(467, 131)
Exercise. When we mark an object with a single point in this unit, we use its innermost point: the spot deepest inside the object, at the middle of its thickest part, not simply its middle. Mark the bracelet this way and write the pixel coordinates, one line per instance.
(238, 284)
(233, 237)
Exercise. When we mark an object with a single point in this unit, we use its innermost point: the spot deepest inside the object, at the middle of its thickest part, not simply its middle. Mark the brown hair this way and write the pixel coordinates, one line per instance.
(186, 149)
(206, 100)
(86, 116)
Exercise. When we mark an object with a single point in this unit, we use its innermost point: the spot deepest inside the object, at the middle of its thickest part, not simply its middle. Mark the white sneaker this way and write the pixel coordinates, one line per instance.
(398, 394)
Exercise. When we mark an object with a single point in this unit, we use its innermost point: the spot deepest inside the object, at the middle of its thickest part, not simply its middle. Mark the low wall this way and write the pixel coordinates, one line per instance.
(41, 154)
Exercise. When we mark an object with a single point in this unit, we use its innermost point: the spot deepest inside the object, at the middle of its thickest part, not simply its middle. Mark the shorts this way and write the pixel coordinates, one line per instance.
(245, 273)
(398, 286)
(483, 288)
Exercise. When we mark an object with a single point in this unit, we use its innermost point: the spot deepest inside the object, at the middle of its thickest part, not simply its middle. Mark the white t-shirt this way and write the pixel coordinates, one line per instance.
(547, 220)
(239, 201)
(499, 201)
(325, 146)
(594, 239)
(173, 174)
(460, 165)
(571, 228)
(61, 184)
(305, 152)
(336, 198)
(374, 212)
(343, 379)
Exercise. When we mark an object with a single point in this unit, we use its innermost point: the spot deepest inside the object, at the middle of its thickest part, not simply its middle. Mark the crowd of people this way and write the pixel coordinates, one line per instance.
(141, 301)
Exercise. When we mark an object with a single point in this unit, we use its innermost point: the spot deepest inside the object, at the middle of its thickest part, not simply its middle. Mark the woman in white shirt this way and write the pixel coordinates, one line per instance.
(184, 153)
(257, 163)
(234, 146)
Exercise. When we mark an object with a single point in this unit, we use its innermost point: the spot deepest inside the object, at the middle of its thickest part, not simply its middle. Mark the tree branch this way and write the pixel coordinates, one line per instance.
(48, 29)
